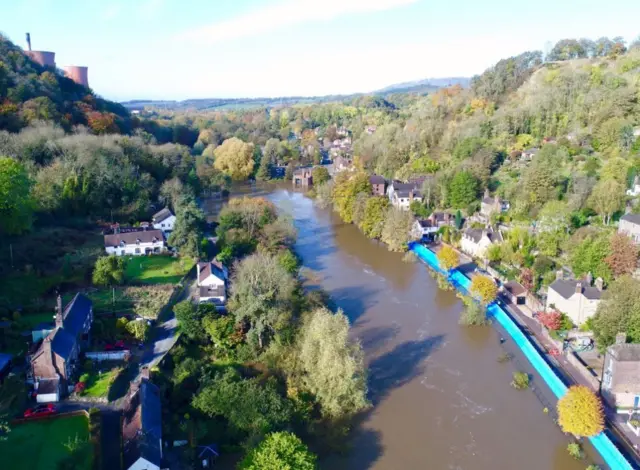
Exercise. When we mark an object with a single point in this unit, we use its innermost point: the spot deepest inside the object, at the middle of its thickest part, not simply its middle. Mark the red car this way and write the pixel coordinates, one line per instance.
(40, 410)
(117, 346)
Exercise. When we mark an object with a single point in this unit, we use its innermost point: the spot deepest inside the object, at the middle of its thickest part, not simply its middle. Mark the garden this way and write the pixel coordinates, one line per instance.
(157, 269)
(96, 381)
(44, 444)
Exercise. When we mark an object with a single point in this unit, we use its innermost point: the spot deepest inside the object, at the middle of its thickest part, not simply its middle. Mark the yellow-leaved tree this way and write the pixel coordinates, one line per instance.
(484, 289)
(580, 412)
(234, 158)
(448, 258)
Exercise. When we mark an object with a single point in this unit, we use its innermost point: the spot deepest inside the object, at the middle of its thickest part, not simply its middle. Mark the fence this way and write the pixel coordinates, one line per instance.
(68, 414)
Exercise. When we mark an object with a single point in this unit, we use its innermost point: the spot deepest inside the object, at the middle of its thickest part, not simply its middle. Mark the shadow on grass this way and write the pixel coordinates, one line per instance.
(120, 385)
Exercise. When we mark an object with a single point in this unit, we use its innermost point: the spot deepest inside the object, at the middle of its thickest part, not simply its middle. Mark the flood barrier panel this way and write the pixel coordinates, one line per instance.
(602, 443)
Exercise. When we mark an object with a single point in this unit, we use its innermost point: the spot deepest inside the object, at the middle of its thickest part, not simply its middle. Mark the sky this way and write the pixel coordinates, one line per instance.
(179, 49)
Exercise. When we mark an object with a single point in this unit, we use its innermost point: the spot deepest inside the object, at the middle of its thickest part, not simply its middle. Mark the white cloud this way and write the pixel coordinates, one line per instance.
(287, 13)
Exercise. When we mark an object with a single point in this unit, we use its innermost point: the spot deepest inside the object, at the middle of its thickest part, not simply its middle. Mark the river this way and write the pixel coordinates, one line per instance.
(441, 399)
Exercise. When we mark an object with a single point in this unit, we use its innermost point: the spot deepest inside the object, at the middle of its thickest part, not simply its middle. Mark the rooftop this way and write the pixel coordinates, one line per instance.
(131, 238)
(161, 215)
(625, 352)
(213, 267)
(142, 425)
(633, 218)
(514, 288)
(377, 179)
(566, 288)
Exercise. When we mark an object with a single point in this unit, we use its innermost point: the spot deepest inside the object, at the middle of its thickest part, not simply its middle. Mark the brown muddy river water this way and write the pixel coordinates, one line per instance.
(441, 399)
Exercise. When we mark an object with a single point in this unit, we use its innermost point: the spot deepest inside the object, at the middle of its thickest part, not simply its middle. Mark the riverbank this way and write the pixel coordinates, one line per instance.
(602, 442)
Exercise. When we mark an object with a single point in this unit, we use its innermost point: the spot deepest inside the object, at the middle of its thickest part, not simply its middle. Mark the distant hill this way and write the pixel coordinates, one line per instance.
(421, 86)
(29, 93)
(428, 84)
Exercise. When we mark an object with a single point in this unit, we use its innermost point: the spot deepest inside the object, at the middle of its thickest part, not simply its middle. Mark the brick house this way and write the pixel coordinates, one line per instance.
(378, 185)
(55, 360)
(303, 177)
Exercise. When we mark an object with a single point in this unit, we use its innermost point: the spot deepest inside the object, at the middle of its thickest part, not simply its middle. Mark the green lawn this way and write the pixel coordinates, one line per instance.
(40, 445)
(157, 269)
(98, 383)
(30, 320)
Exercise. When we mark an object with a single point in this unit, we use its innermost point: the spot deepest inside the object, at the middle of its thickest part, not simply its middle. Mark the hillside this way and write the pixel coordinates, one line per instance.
(30, 93)
(426, 84)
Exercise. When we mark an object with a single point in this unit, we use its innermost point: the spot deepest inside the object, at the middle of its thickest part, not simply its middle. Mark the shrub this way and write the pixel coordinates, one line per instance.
(520, 381)
(473, 315)
(550, 320)
(580, 412)
(484, 289)
(575, 450)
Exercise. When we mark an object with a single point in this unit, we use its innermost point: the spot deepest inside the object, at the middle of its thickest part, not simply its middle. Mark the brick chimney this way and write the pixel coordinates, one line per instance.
(621, 338)
(578, 287)
(599, 284)
(559, 275)
(59, 312)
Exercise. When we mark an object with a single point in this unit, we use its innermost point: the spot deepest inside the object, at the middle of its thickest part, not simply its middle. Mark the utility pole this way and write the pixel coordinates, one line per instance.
(11, 253)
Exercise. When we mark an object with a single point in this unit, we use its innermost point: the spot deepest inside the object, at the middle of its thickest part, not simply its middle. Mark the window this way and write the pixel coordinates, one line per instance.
(161, 225)
(137, 251)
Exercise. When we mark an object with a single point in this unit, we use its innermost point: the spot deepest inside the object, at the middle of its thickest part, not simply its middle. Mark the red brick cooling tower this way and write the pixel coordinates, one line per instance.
(44, 58)
(78, 74)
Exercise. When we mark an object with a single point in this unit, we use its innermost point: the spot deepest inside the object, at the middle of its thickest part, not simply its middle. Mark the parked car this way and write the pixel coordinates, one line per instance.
(40, 410)
(117, 346)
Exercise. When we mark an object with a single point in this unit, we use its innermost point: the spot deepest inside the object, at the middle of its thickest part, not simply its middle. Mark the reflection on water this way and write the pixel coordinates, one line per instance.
(441, 398)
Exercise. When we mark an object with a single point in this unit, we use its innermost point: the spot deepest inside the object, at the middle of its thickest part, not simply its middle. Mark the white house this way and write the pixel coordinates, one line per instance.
(630, 225)
(475, 242)
(577, 299)
(423, 228)
(401, 195)
(164, 220)
(212, 283)
(139, 242)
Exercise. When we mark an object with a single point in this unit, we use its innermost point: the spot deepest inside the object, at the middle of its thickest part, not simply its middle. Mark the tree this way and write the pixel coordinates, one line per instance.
(320, 175)
(396, 232)
(222, 332)
(463, 189)
(618, 311)
(346, 189)
(607, 198)
(280, 451)
(16, 205)
(589, 256)
(448, 258)
(623, 256)
(251, 407)
(484, 289)
(550, 320)
(187, 231)
(330, 365)
(580, 412)
(264, 170)
(261, 293)
(189, 319)
(235, 158)
(474, 314)
(375, 211)
(139, 329)
(289, 262)
(108, 271)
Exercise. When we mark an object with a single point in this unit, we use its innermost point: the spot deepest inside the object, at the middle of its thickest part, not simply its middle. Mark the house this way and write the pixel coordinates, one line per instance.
(342, 164)
(423, 228)
(138, 242)
(441, 219)
(475, 242)
(378, 185)
(55, 360)
(402, 195)
(212, 282)
(164, 220)
(630, 225)
(302, 177)
(529, 154)
(142, 426)
(577, 299)
(490, 205)
(621, 374)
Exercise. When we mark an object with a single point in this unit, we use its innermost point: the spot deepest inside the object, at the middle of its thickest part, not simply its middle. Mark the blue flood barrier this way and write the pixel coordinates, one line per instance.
(602, 443)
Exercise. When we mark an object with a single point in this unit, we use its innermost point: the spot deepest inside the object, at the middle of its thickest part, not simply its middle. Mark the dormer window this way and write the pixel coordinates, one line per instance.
(137, 241)
(122, 243)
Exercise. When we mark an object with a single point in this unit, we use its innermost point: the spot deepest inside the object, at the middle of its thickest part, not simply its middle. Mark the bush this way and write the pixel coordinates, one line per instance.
(580, 412)
(520, 381)
(550, 320)
(473, 315)
(575, 450)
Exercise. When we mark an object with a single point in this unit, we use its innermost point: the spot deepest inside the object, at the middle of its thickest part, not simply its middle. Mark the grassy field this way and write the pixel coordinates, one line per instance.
(98, 383)
(157, 269)
(40, 445)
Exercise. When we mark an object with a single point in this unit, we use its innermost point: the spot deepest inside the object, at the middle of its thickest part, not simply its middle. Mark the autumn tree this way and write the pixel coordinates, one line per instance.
(102, 123)
(320, 175)
(375, 212)
(607, 198)
(346, 188)
(279, 451)
(330, 365)
(580, 412)
(235, 158)
(623, 257)
(551, 320)
(448, 257)
(16, 205)
(484, 289)
(396, 232)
